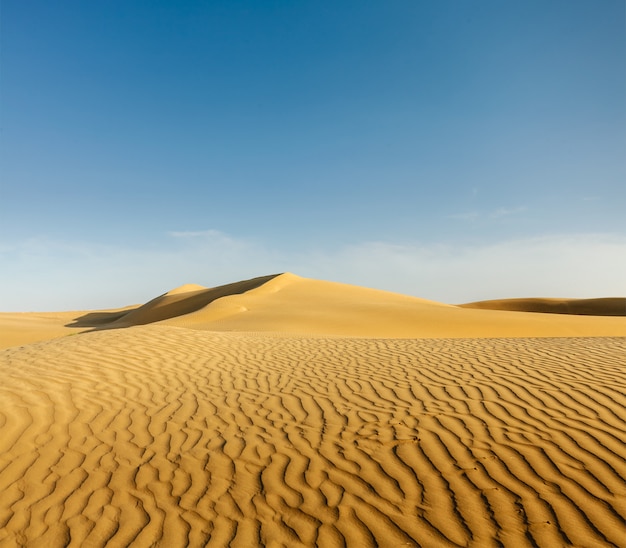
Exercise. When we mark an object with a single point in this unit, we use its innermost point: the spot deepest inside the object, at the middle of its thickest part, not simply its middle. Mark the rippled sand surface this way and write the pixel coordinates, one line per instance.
(156, 435)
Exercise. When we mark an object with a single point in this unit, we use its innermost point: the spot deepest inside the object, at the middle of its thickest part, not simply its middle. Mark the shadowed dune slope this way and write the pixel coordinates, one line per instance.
(612, 306)
(184, 300)
(162, 436)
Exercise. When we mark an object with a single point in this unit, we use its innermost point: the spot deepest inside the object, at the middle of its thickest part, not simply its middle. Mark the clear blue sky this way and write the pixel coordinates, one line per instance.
(208, 141)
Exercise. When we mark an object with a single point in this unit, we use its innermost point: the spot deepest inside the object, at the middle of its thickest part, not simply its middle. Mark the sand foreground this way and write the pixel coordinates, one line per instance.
(158, 434)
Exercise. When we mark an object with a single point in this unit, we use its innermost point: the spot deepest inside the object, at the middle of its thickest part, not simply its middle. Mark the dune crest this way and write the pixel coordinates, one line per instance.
(186, 288)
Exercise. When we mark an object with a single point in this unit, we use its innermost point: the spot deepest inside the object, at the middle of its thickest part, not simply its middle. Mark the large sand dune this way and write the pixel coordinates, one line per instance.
(290, 412)
(289, 304)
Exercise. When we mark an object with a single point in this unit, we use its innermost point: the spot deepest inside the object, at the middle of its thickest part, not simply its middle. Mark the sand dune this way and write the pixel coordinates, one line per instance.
(289, 304)
(615, 306)
(243, 420)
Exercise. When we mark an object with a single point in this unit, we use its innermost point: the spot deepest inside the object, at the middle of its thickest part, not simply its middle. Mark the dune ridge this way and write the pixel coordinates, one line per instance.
(185, 300)
(159, 435)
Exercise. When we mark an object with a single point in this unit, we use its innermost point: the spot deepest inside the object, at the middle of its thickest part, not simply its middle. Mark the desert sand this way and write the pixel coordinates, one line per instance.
(283, 411)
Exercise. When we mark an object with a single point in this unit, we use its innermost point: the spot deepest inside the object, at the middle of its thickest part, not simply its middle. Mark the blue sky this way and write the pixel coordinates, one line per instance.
(450, 149)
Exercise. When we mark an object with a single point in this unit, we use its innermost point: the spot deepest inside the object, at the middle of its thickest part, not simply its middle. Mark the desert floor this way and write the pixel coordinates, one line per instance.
(290, 412)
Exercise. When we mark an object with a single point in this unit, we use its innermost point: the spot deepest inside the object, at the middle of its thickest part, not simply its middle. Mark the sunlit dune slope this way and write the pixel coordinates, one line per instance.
(615, 306)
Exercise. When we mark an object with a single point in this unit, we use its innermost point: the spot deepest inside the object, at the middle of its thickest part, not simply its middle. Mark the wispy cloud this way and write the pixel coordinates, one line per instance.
(499, 213)
(467, 216)
(506, 212)
(198, 234)
(42, 274)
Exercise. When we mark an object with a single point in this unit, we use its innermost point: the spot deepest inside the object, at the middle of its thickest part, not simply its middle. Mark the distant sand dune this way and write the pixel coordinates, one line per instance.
(157, 435)
(615, 306)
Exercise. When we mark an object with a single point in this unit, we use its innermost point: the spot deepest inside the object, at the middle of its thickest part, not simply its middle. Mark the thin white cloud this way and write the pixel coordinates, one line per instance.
(506, 212)
(41, 274)
(198, 234)
(499, 213)
(467, 216)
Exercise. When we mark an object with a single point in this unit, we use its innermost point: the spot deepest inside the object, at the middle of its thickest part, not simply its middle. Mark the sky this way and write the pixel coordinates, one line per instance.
(454, 150)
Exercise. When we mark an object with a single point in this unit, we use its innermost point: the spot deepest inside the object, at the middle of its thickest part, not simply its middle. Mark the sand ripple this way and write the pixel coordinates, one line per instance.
(165, 436)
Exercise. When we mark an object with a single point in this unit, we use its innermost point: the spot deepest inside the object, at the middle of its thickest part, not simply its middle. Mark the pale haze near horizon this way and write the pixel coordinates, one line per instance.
(454, 151)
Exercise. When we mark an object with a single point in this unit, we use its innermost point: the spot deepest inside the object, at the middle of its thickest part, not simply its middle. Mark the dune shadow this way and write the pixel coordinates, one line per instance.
(166, 306)
(98, 320)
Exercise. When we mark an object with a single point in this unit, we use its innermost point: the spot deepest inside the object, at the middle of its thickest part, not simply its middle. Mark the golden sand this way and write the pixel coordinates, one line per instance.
(284, 412)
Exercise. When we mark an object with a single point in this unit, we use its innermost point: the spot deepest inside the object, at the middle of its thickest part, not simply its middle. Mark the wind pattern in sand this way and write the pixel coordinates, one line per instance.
(162, 436)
